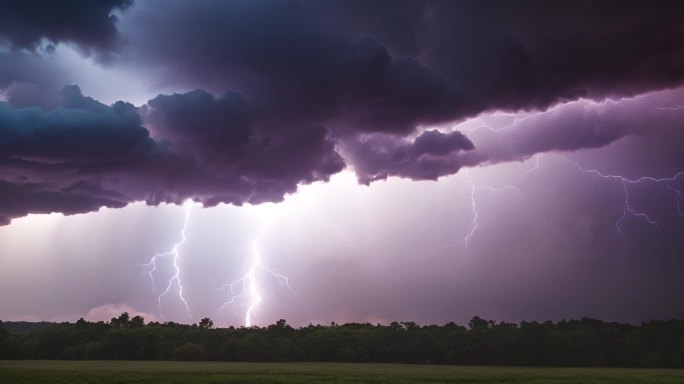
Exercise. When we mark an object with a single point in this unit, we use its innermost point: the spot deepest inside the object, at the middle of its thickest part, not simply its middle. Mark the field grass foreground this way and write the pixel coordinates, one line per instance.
(61, 372)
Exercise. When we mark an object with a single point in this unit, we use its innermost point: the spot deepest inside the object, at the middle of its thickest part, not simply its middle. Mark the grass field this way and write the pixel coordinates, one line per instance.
(64, 372)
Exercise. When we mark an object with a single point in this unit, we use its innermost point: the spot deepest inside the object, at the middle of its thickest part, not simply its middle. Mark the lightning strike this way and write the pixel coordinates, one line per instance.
(152, 267)
(248, 285)
(249, 290)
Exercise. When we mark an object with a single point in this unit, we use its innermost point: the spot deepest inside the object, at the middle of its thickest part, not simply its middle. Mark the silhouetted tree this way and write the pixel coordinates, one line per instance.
(206, 323)
(121, 321)
(3, 332)
(137, 322)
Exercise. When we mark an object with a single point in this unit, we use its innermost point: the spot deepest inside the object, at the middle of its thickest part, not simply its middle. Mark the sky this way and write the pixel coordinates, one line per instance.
(341, 161)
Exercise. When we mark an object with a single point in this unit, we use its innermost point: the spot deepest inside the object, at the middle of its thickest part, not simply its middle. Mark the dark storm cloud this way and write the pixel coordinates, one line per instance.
(299, 80)
(393, 23)
(85, 154)
(200, 124)
(226, 135)
(35, 198)
(52, 161)
(81, 130)
(429, 156)
(29, 31)
(530, 54)
(390, 66)
(89, 24)
(290, 65)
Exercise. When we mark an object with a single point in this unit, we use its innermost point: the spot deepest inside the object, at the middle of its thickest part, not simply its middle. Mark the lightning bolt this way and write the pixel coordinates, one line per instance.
(678, 198)
(248, 289)
(665, 108)
(473, 205)
(516, 120)
(628, 209)
(247, 286)
(174, 281)
(511, 186)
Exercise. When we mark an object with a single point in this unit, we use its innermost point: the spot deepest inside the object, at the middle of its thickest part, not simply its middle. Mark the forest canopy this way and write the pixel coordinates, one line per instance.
(586, 342)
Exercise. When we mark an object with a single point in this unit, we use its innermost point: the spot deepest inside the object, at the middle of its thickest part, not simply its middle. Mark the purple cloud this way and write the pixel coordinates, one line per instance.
(308, 82)
(431, 155)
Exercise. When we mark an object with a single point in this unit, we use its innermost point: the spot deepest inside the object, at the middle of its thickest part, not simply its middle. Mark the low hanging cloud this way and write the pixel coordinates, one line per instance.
(581, 125)
(291, 92)
(227, 137)
(52, 161)
(429, 156)
(84, 155)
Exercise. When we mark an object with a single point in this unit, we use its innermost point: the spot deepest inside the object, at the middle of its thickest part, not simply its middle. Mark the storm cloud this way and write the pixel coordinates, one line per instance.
(429, 156)
(90, 24)
(291, 92)
(388, 65)
(85, 155)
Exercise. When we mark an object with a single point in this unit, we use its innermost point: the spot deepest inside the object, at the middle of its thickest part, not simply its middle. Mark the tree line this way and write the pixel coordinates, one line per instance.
(585, 342)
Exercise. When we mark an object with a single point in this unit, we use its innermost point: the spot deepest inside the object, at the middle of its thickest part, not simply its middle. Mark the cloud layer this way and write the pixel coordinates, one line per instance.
(291, 92)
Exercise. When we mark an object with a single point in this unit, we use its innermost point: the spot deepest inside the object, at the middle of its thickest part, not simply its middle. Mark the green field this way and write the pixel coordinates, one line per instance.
(59, 372)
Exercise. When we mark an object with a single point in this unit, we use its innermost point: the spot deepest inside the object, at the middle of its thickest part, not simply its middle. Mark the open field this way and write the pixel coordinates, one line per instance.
(59, 372)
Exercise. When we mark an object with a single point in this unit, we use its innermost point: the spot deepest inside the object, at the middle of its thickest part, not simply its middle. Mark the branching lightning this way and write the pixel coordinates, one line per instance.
(516, 120)
(174, 281)
(628, 209)
(248, 289)
(247, 286)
